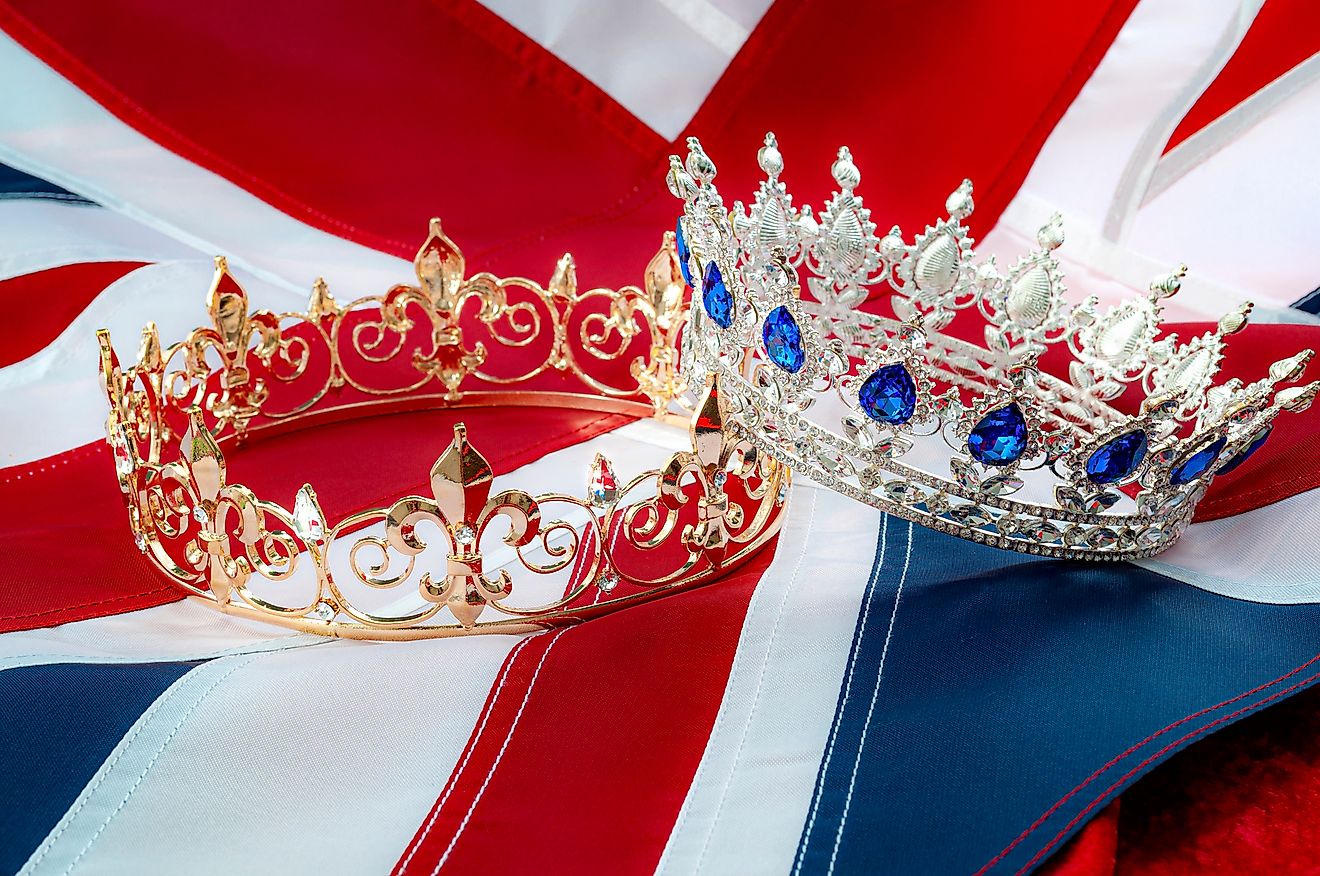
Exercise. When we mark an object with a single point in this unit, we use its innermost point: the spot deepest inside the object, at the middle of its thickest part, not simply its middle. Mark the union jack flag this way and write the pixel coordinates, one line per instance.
(868, 696)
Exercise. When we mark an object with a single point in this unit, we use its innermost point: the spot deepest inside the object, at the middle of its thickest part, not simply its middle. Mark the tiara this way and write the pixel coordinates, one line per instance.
(422, 565)
(951, 424)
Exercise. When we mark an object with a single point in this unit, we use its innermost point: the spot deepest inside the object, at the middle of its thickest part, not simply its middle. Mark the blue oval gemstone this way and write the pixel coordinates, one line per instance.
(684, 252)
(1001, 436)
(783, 340)
(889, 395)
(715, 297)
(1195, 465)
(1251, 448)
(1115, 460)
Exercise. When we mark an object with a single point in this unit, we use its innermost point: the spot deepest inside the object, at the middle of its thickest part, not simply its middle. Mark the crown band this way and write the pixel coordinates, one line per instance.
(971, 439)
(416, 567)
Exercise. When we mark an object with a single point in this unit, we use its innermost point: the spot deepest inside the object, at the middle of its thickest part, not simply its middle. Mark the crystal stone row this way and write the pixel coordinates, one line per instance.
(1000, 438)
(889, 395)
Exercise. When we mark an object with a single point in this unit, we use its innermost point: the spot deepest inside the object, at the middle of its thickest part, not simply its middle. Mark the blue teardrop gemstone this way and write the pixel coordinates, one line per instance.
(715, 297)
(889, 395)
(1117, 459)
(783, 340)
(1251, 448)
(684, 253)
(1196, 465)
(1001, 436)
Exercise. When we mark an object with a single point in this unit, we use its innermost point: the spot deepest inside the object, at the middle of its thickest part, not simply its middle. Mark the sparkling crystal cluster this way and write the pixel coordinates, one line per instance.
(968, 437)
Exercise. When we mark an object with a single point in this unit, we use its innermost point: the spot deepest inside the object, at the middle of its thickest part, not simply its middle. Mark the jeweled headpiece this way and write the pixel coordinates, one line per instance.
(955, 425)
(424, 565)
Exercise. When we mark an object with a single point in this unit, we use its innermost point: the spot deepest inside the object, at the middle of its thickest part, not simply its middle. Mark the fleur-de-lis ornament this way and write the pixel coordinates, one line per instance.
(713, 449)
(212, 500)
(441, 291)
(232, 331)
(463, 508)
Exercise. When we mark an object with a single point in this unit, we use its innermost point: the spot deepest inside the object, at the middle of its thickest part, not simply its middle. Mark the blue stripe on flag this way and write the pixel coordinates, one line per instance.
(15, 184)
(60, 723)
(988, 687)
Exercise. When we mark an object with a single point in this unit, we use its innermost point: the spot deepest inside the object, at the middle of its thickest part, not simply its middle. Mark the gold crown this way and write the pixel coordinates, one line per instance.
(392, 572)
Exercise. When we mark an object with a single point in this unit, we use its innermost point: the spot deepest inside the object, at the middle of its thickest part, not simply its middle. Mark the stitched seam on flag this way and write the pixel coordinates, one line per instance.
(82, 605)
(105, 771)
(870, 709)
(269, 646)
(462, 825)
(53, 462)
(818, 792)
(760, 683)
(467, 755)
(1130, 750)
(1200, 731)
(722, 715)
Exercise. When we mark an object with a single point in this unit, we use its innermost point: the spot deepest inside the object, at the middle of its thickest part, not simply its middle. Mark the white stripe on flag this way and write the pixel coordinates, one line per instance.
(774, 722)
(262, 763)
(54, 397)
(39, 235)
(45, 129)
(1263, 555)
(658, 58)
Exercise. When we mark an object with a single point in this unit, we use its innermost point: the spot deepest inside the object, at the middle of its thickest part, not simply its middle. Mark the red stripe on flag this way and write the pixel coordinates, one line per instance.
(40, 305)
(1284, 34)
(64, 534)
(363, 121)
(589, 741)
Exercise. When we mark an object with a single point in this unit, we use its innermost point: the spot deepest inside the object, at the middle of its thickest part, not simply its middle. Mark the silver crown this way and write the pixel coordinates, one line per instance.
(966, 437)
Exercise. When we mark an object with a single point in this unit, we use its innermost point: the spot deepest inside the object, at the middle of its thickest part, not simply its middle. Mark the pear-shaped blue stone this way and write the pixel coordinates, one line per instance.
(684, 252)
(715, 297)
(1115, 460)
(1195, 465)
(783, 340)
(1000, 438)
(889, 395)
(1251, 448)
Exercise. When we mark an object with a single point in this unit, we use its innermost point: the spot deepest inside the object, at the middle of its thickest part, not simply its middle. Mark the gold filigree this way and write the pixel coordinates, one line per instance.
(429, 565)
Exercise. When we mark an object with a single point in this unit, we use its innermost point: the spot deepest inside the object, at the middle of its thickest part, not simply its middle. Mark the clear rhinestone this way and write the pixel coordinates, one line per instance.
(607, 580)
(1010, 524)
(895, 445)
(1001, 485)
(199, 514)
(783, 493)
(964, 474)
(1075, 536)
(835, 463)
(720, 478)
(465, 534)
(938, 503)
(140, 540)
(904, 491)
(869, 477)
(833, 362)
(323, 611)
(970, 515)
(858, 432)
(123, 458)
(1103, 537)
(1151, 537)
(1042, 530)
